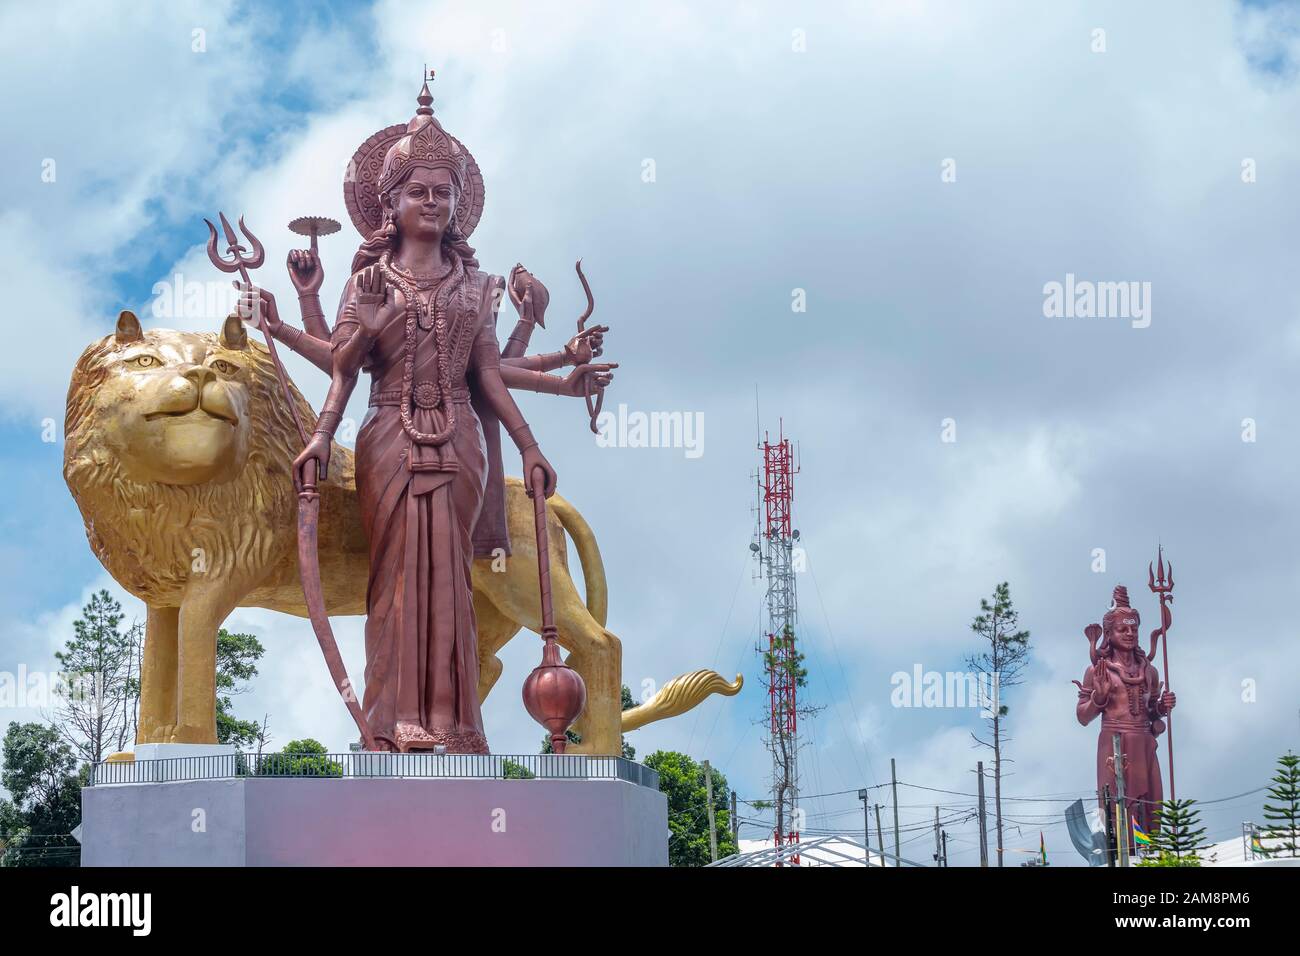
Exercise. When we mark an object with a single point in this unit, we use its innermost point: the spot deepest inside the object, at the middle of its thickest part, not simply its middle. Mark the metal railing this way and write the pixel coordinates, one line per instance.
(362, 764)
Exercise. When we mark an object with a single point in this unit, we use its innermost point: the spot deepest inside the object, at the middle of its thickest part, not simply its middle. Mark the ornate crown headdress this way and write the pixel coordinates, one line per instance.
(383, 159)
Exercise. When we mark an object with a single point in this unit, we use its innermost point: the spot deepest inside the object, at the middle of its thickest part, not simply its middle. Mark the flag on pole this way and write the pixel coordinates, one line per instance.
(1042, 847)
(1140, 838)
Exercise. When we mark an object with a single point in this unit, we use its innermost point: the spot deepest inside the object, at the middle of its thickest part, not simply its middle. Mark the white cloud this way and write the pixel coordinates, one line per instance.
(779, 170)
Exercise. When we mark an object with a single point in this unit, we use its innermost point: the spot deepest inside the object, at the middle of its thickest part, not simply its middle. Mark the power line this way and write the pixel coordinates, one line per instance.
(843, 676)
(1033, 799)
(718, 650)
(1083, 794)
(758, 618)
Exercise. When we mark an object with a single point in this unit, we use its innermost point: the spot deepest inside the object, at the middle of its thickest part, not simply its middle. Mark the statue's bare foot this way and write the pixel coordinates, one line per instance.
(411, 736)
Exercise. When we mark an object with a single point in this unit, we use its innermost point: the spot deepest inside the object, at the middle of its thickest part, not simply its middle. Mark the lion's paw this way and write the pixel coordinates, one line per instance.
(191, 734)
(160, 734)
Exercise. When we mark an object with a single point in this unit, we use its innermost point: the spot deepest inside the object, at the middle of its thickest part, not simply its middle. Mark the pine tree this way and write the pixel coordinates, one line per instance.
(130, 728)
(793, 659)
(1000, 666)
(1284, 815)
(783, 656)
(96, 705)
(1178, 834)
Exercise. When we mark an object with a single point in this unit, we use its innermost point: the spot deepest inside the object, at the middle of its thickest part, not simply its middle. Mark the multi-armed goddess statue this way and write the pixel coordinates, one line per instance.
(205, 435)
(420, 317)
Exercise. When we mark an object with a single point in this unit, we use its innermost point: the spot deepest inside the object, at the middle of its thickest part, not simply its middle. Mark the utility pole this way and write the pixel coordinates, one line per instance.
(893, 782)
(936, 838)
(1112, 848)
(945, 849)
(735, 824)
(880, 837)
(866, 827)
(984, 824)
(713, 830)
(1121, 808)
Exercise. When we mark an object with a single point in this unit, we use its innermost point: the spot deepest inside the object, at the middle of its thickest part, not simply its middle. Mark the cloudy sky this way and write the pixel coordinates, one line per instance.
(921, 171)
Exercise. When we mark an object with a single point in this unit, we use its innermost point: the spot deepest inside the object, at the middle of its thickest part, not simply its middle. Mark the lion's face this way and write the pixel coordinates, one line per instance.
(177, 441)
(173, 407)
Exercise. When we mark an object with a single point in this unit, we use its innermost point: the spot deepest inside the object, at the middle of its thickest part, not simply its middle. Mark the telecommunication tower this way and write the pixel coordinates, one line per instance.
(783, 664)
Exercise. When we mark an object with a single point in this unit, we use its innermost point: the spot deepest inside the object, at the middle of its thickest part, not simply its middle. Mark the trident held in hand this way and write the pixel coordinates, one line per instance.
(238, 261)
(308, 497)
(241, 261)
(1164, 587)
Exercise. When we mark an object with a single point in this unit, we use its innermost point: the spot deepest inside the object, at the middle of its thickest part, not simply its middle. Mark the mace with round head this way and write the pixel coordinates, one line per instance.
(554, 693)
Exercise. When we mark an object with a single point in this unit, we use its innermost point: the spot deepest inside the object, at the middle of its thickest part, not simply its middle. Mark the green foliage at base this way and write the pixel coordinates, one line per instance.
(40, 773)
(237, 657)
(1168, 859)
(682, 780)
(299, 758)
(512, 770)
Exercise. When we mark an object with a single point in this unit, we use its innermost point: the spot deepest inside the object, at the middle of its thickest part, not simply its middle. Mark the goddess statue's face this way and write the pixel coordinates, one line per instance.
(424, 203)
(1124, 632)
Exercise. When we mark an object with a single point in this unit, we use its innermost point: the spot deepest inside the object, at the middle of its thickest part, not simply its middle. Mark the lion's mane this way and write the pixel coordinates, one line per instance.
(146, 534)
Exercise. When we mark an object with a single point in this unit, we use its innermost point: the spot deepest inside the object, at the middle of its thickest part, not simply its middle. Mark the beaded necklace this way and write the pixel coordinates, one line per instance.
(432, 315)
(1133, 685)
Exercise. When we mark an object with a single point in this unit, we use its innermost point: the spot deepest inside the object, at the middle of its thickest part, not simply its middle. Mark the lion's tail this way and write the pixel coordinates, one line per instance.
(593, 568)
(681, 693)
(678, 696)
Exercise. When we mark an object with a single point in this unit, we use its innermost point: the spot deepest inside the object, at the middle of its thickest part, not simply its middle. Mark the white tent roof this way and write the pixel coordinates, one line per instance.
(1233, 853)
(817, 851)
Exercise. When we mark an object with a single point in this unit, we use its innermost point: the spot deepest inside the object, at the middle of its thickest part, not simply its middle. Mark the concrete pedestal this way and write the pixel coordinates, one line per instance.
(162, 762)
(374, 821)
(182, 751)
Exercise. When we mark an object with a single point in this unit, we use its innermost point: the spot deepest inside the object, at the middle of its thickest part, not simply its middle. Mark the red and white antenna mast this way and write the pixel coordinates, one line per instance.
(782, 661)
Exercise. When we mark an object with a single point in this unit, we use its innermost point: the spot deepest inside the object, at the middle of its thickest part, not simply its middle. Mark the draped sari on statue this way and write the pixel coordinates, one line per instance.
(424, 468)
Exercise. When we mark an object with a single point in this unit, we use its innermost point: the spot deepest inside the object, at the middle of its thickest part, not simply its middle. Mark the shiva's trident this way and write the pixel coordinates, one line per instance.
(308, 497)
(1164, 588)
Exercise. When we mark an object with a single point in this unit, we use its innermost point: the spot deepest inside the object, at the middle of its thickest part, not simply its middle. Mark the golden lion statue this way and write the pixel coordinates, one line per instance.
(178, 450)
